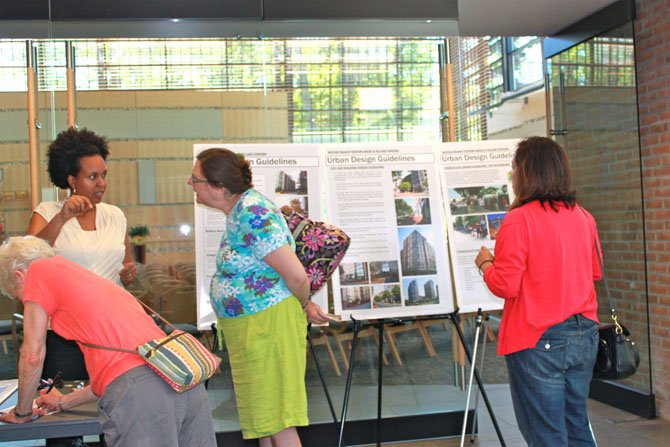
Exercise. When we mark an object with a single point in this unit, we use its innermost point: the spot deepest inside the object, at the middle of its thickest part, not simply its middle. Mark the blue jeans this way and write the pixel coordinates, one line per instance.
(550, 385)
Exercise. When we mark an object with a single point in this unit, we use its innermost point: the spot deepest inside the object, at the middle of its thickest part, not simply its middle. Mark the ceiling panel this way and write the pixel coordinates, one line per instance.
(522, 17)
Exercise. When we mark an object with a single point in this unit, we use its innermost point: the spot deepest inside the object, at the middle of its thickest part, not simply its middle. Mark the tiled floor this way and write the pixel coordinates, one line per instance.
(612, 427)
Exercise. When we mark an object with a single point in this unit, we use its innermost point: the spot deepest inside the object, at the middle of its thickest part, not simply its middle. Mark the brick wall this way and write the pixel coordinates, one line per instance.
(652, 47)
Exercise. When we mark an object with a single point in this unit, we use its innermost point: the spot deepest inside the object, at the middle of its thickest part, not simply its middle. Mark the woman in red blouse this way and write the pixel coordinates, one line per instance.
(544, 267)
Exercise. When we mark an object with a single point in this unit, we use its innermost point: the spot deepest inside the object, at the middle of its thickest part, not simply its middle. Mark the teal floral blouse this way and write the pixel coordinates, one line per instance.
(243, 283)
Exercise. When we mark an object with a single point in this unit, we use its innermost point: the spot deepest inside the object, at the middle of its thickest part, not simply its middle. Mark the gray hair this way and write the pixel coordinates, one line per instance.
(17, 253)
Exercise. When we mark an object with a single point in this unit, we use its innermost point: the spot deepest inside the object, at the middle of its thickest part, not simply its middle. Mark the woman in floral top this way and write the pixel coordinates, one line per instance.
(260, 293)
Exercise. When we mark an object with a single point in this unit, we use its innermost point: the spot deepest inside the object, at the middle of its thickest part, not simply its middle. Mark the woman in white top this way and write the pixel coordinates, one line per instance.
(82, 228)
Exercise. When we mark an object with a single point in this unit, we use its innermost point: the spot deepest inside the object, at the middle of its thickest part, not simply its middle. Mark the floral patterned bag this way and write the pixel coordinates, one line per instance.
(319, 246)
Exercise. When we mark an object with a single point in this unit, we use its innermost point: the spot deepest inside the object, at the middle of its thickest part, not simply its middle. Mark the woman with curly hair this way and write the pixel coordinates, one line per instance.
(260, 293)
(82, 227)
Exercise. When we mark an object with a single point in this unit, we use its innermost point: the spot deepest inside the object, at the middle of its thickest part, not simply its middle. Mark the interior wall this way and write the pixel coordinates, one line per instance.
(156, 126)
(520, 117)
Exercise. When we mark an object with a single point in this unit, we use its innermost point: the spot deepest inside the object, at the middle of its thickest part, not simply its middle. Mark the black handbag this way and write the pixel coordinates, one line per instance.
(618, 356)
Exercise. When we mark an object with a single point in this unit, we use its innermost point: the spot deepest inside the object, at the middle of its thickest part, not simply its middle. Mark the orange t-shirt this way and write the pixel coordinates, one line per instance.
(88, 308)
(545, 265)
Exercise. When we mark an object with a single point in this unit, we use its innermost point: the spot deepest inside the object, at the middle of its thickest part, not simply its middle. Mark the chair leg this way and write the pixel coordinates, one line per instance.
(393, 347)
(343, 353)
(489, 333)
(430, 349)
(331, 356)
(385, 360)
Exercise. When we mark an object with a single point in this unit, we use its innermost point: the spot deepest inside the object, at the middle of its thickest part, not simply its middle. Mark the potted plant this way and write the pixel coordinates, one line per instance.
(138, 233)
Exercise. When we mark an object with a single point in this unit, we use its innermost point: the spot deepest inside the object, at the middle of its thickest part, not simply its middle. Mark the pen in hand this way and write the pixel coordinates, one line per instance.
(54, 381)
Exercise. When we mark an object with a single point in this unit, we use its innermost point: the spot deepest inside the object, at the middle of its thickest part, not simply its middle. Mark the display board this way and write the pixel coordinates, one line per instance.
(417, 214)
(289, 175)
(387, 198)
(477, 188)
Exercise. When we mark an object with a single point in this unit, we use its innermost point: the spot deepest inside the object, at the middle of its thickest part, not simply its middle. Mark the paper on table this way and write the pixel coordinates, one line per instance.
(7, 388)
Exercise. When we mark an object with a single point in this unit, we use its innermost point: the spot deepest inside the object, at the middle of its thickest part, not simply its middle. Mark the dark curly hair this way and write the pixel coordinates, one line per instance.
(68, 148)
(225, 168)
(543, 173)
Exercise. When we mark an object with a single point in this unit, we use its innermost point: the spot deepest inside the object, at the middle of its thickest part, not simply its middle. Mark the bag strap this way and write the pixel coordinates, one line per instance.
(298, 229)
(613, 314)
(153, 312)
(149, 353)
(604, 279)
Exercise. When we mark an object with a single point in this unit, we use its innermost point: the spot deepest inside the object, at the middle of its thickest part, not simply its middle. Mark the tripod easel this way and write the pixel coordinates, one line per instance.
(360, 324)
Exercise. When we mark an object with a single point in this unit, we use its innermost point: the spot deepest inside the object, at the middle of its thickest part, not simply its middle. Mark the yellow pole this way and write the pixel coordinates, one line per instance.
(33, 125)
(450, 104)
(71, 107)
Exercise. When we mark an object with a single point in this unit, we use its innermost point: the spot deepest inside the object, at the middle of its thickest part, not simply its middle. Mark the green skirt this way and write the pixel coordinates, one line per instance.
(267, 354)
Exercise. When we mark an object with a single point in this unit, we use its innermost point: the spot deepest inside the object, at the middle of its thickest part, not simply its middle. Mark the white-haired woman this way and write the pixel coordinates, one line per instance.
(136, 406)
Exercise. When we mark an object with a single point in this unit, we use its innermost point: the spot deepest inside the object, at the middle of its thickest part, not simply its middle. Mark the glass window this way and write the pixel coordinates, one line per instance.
(525, 62)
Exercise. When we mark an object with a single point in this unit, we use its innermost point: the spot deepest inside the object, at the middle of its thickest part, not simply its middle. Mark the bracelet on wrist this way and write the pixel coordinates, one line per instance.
(304, 306)
(22, 415)
(479, 267)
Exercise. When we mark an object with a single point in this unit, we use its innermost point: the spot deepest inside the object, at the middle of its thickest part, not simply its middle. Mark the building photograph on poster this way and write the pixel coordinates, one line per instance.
(478, 199)
(494, 221)
(470, 231)
(420, 291)
(356, 298)
(354, 273)
(413, 211)
(291, 182)
(417, 252)
(384, 296)
(288, 203)
(409, 183)
(384, 272)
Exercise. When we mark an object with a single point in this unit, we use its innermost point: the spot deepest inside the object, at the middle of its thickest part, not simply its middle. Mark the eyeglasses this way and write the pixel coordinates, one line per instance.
(195, 180)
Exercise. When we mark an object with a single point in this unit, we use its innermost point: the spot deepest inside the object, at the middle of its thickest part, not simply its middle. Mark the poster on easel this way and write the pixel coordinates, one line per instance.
(477, 189)
(289, 175)
(386, 196)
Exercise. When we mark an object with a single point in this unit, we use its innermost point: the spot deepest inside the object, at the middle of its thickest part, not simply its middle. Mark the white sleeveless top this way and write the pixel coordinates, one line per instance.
(100, 251)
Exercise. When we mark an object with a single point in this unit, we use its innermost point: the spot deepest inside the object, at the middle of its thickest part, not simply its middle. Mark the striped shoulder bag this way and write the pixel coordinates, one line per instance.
(179, 359)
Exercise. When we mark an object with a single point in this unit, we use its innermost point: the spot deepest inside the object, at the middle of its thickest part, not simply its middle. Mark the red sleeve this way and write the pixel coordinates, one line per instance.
(511, 253)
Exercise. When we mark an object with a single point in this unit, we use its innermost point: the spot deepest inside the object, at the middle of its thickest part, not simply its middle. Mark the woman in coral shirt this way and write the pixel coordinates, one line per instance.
(544, 267)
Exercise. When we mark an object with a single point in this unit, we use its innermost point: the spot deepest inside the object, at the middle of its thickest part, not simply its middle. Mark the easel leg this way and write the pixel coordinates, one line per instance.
(485, 329)
(478, 324)
(215, 345)
(380, 365)
(456, 319)
(318, 369)
(347, 386)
